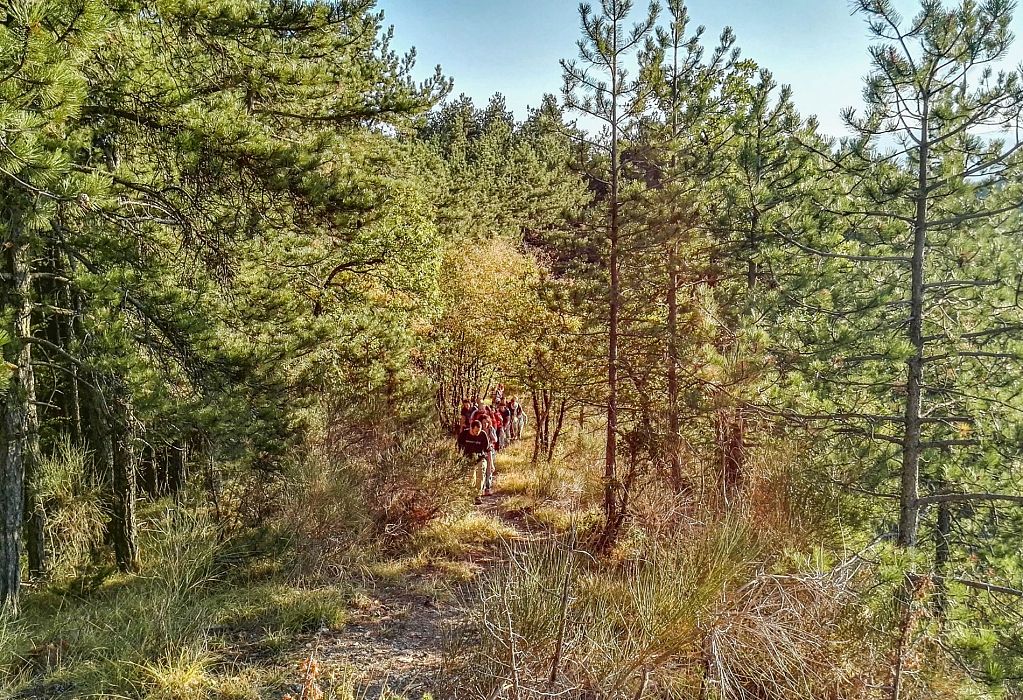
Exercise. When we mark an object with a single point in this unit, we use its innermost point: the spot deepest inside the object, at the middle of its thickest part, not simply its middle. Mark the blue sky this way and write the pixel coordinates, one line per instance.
(513, 47)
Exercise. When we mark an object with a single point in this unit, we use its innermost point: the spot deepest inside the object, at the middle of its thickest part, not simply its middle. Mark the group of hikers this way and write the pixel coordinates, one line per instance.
(486, 429)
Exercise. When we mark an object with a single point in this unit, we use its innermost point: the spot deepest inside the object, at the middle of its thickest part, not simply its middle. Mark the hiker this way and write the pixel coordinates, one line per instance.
(475, 443)
(519, 417)
(479, 410)
(506, 419)
(499, 394)
(466, 413)
(488, 428)
(514, 408)
(498, 422)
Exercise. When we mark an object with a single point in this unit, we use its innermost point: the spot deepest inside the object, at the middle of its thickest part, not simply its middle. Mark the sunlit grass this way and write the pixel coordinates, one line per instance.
(167, 632)
(458, 536)
(209, 617)
(279, 606)
(181, 677)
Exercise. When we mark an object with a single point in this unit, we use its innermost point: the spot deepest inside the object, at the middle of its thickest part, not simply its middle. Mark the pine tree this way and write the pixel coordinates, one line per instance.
(598, 86)
(242, 158)
(43, 47)
(912, 276)
(681, 153)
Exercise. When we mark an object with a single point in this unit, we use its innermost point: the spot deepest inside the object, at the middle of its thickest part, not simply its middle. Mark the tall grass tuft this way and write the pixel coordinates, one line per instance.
(75, 522)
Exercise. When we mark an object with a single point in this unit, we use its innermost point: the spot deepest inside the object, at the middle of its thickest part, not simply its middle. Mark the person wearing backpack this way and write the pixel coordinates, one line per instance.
(475, 443)
(466, 414)
(498, 422)
(519, 417)
(513, 432)
(488, 428)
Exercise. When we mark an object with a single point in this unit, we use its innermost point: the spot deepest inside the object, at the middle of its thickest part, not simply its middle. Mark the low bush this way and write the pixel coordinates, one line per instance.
(413, 483)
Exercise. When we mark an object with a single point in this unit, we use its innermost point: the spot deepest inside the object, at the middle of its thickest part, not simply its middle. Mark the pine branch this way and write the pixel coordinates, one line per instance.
(968, 497)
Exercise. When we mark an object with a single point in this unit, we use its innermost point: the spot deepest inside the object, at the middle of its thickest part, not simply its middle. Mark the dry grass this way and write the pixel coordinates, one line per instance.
(697, 600)
(685, 617)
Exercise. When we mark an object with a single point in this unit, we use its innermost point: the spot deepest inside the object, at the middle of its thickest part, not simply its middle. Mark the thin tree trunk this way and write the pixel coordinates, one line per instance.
(177, 467)
(611, 449)
(149, 472)
(909, 509)
(941, 558)
(909, 492)
(25, 426)
(73, 332)
(674, 435)
(557, 430)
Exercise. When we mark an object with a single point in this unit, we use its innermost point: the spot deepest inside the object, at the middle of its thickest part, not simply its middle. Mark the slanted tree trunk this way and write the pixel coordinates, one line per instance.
(558, 425)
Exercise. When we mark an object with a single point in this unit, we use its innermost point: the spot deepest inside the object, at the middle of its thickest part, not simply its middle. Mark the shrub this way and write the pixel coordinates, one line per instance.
(411, 484)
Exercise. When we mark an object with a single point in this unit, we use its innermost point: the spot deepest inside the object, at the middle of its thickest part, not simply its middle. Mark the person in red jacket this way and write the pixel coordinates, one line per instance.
(498, 422)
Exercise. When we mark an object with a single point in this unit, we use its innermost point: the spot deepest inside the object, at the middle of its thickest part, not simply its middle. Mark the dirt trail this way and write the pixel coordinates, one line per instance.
(398, 646)
(397, 643)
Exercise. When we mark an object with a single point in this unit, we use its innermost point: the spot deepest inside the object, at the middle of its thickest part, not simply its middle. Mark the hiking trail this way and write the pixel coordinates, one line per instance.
(396, 642)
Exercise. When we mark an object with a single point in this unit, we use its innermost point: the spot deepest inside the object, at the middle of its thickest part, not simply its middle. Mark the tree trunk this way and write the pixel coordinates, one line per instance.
(149, 473)
(611, 449)
(941, 559)
(28, 418)
(20, 432)
(177, 467)
(909, 509)
(112, 435)
(12, 502)
(123, 526)
(909, 492)
(674, 434)
(559, 423)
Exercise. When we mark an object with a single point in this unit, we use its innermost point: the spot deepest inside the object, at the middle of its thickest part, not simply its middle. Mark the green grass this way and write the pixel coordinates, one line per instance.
(446, 548)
